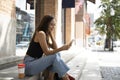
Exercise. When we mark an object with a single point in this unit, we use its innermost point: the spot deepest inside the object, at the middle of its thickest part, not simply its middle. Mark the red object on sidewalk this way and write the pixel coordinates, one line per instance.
(21, 65)
(21, 71)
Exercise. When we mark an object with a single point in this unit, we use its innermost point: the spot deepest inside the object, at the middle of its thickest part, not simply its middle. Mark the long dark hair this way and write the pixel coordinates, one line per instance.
(44, 24)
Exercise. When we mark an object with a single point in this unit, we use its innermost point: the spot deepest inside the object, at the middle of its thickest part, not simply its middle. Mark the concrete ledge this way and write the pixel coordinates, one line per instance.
(67, 56)
(91, 71)
(9, 61)
(76, 66)
(64, 56)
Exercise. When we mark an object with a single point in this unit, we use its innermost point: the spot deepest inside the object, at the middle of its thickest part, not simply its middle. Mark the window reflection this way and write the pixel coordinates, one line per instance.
(24, 27)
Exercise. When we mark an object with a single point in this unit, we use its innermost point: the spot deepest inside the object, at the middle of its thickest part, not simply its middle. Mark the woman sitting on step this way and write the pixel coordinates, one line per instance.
(40, 45)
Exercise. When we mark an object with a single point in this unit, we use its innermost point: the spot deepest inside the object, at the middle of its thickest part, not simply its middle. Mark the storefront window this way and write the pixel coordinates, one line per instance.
(24, 28)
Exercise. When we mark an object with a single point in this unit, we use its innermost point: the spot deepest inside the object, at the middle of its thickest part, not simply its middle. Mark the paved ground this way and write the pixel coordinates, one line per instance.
(71, 58)
(110, 73)
(109, 64)
(85, 64)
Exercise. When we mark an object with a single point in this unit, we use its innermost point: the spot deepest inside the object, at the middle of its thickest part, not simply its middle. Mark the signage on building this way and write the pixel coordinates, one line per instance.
(68, 3)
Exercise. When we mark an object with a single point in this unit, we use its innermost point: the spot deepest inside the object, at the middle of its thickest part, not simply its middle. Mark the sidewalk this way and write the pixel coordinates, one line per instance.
(91, 70)
(84, 65)
(108, 64)
(71, 57)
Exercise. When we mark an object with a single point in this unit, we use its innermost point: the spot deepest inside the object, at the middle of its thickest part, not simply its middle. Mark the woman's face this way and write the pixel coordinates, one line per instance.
(51, 25)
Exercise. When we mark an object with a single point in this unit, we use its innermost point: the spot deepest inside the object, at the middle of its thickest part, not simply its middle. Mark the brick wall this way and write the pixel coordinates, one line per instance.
(45, 7)
(39, 11)
(7, 7)
(49, 7)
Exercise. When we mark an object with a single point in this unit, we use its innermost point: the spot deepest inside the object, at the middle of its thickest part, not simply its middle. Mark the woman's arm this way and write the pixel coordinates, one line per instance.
(42, 40)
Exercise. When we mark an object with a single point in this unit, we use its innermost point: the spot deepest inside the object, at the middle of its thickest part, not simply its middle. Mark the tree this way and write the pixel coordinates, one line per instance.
(109, 21)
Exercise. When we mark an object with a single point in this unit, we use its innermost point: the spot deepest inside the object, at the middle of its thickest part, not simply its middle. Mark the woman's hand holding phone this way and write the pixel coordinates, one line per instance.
(68, 45)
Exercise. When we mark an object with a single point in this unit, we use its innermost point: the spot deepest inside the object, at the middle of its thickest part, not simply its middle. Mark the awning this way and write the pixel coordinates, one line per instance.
(31, 2)
(68, 3)
(65, 3)
(93, 1)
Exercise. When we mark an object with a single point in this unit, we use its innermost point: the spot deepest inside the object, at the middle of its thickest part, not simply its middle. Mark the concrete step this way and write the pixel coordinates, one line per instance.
(91, 71)
(76, 66)
(12, 72)
(10, 61)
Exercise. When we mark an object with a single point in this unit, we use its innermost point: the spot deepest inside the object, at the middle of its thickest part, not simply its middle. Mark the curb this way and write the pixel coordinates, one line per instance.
(9, 61)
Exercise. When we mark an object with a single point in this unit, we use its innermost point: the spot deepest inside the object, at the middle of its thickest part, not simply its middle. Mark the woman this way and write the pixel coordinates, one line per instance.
(39, 45)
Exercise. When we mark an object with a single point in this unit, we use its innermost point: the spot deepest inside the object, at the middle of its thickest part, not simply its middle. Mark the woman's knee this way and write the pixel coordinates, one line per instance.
(55, 57)
(58, 54)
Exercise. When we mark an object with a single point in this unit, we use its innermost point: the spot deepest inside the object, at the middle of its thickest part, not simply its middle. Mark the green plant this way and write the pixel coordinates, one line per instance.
(109, 23)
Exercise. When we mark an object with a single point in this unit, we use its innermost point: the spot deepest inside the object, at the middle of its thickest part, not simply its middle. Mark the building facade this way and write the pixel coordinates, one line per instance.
(69, 21)
(7, 28)
(70, 24)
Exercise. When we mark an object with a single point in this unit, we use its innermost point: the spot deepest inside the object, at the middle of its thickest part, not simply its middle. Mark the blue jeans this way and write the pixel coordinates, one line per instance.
(54, 62)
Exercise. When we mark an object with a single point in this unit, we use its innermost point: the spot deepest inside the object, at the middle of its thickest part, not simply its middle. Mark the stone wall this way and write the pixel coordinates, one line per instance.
(7, 28)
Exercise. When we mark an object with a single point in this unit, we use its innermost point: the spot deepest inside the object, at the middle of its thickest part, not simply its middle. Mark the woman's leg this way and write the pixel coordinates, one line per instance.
(59, 66)
(50, 76)
(35, 66)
